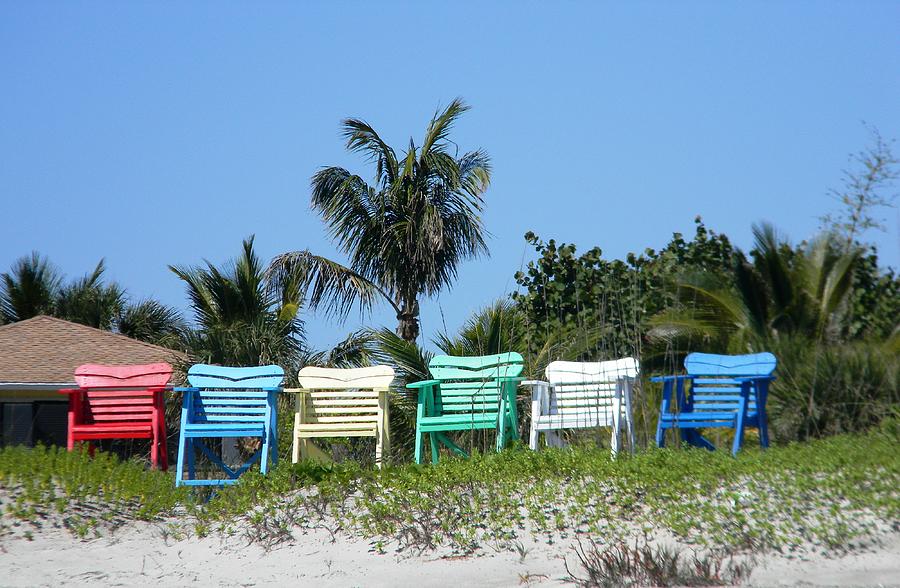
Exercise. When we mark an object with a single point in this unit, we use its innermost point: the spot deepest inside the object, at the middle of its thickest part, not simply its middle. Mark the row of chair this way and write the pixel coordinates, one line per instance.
(463, 394)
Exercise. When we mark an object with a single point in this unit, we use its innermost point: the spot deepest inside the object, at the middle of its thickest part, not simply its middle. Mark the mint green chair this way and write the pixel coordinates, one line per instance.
(464, 394)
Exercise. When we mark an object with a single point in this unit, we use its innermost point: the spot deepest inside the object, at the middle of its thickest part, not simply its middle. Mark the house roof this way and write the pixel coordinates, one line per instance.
(46, 350)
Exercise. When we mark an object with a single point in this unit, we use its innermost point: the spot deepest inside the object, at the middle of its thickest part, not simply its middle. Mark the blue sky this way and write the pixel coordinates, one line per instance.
(164, 133)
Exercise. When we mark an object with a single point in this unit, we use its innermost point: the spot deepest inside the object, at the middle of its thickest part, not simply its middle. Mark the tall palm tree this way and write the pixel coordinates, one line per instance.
(28, 289)
(406, 233)
(782, 291)
(241, 320)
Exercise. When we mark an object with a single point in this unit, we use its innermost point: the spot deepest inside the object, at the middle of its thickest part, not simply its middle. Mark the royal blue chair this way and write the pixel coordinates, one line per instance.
(228, 402)
(725, 391)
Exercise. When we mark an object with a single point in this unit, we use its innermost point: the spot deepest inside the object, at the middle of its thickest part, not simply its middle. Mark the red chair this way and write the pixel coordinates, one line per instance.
(120, 402)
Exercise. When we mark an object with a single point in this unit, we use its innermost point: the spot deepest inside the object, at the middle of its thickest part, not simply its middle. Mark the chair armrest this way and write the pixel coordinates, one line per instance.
(510, 379)
(294, 390)
(533, 383)
(671, 378)
(188, 389)
(423, 384)
(69, 390)
(755, 379)
(275, 389)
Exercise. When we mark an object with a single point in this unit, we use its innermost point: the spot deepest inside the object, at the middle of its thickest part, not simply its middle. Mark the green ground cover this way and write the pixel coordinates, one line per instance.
(831, 493)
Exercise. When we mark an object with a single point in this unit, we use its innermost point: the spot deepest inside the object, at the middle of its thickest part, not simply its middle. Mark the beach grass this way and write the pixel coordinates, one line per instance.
(831, 493)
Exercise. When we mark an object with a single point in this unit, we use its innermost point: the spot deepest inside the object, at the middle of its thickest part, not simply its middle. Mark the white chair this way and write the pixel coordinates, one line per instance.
(584, 395)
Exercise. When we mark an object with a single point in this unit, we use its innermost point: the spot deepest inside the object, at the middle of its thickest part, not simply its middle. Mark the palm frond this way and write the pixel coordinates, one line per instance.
(441, 125)
(328, 284)
(361, 137)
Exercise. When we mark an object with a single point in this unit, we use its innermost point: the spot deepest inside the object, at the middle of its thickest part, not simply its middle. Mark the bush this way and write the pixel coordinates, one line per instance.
(826, 390)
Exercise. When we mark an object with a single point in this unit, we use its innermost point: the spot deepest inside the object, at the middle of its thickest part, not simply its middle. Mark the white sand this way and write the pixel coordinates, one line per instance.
(139, 554)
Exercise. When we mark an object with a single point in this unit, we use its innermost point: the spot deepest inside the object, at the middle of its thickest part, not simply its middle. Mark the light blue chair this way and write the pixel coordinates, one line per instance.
(228, 402)
(727, 391)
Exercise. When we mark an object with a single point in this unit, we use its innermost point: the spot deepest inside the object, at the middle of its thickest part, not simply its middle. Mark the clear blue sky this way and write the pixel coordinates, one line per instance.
(164, 133)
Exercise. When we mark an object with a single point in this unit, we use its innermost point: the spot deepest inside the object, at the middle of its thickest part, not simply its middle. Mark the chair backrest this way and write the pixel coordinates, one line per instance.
(470, 384)
(587, 387)
(318, 378)
(715, 388)
(119, 393)
(92, 375)
(231, 395)
(342, 396)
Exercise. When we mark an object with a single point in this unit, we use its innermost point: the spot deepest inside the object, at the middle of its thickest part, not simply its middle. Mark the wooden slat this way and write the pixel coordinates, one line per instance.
(123, 417)
(142, 401)
(120, 409)
(363, 418)
(229, 418)
(232, 394)
(344, 433)
(333, 426)
(344, 402)
(342, 394)
(342, 410)
(118, 394)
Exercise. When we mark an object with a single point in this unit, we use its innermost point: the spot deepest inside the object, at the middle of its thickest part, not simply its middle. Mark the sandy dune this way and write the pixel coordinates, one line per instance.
(141, 554)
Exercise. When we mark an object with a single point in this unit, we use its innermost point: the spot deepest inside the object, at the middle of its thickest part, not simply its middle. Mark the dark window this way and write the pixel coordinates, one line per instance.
(17, 418)
(51, 420)
(27, 423)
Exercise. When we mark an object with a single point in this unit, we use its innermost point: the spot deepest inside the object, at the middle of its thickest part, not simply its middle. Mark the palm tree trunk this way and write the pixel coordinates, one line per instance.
(408, 321)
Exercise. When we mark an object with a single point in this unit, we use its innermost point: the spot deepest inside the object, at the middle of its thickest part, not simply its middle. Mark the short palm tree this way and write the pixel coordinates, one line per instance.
(30, 288)
(241, 320)
(783, 291)
(406, 234)
(90, 301)
(153, 322)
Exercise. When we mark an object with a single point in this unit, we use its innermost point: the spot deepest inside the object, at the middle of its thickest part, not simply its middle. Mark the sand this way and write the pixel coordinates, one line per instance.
(142, 554)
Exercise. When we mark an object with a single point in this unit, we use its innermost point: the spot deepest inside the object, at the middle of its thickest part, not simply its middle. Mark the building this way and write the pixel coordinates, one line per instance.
(38, 357)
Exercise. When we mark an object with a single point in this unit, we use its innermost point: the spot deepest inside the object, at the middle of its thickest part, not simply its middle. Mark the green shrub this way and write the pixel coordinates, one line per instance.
(830, 389)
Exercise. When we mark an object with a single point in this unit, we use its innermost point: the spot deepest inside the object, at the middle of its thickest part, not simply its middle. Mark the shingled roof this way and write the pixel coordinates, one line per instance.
(46, 350)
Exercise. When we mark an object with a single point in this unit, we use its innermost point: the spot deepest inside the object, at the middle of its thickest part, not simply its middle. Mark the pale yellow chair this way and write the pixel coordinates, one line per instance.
(341, 403)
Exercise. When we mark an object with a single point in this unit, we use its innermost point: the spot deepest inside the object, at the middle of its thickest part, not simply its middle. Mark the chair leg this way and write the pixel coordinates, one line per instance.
(264, 454)
(763, 427)
(419, 445)
(154, 453)
(434, 447)
(163, 445)
(179, 465)
(189, 450)
(295, 451)
(616, 428)
(533, 438)
(660, 435)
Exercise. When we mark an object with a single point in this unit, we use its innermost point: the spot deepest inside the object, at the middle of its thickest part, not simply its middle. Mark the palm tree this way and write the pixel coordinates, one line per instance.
(153, 322)
(241, 320)
(28, 289)
(783, 291)
(406, 234)
(90, 301)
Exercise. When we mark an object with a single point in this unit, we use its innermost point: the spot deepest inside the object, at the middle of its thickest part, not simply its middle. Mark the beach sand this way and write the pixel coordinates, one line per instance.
(142, 554)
